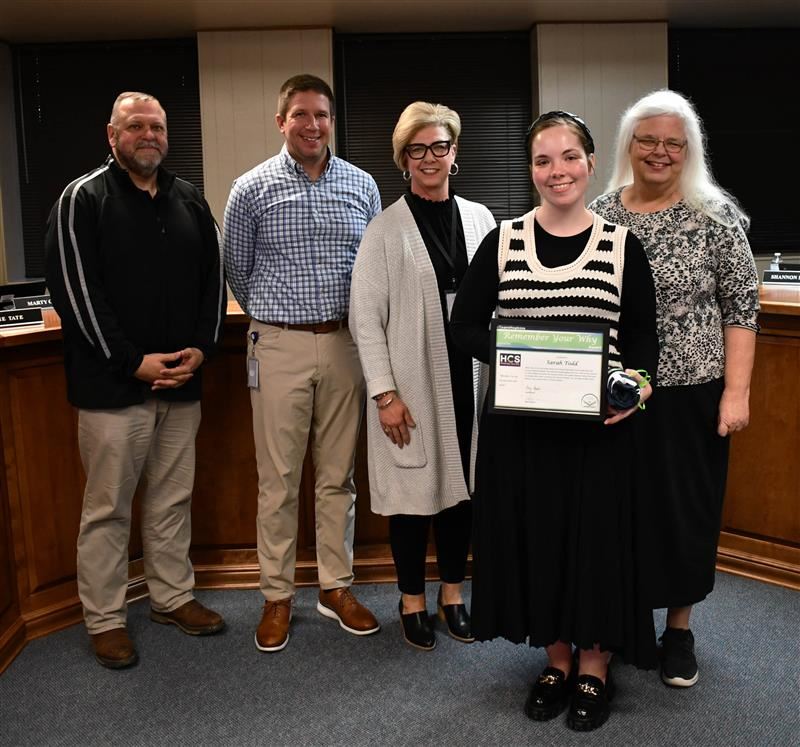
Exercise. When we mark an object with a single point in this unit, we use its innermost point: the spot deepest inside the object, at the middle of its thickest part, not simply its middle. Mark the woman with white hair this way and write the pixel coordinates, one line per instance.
(707, 299)
(422, 429)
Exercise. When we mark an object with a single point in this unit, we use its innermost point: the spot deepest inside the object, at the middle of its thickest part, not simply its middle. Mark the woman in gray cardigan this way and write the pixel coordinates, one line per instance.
(422, 428)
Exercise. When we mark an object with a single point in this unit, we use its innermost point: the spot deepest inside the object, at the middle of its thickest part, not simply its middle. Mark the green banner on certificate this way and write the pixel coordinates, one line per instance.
(536, 339)
(550, 369)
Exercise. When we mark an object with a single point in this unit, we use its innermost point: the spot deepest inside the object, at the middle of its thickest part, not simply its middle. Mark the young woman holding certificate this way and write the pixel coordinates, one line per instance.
(553, 547)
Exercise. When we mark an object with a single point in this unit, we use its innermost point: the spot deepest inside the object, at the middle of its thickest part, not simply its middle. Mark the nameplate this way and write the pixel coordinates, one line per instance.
(33, 302)
(781, 277)
(20, 317)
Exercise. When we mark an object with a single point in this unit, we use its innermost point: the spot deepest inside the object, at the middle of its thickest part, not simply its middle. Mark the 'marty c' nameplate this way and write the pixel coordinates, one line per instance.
(549, 369)
(33, 302)
(20, 317)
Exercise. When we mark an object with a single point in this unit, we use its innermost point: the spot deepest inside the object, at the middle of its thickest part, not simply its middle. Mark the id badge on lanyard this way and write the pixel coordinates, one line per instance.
(252, 363)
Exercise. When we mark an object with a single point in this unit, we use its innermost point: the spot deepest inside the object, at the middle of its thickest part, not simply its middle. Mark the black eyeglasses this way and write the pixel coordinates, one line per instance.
(418, 151)
(671, 145)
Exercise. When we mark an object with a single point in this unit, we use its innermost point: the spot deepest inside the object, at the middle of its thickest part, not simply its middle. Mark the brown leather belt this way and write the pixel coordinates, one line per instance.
(320, 328)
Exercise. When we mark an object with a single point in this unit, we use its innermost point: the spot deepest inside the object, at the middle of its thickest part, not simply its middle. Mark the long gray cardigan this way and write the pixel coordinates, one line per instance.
(396, 321)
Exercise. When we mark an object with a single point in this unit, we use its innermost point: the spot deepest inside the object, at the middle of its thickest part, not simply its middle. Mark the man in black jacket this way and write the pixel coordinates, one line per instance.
(133, 267)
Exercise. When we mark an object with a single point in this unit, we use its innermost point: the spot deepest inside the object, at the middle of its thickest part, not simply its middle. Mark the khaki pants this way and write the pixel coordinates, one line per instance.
(154, 441)
(309, 386)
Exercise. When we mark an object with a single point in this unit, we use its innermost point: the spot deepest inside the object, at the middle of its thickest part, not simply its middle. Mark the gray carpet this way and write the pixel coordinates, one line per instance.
(332, 688)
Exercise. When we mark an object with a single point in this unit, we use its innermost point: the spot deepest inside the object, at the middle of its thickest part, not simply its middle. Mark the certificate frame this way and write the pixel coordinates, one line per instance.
(526, 377)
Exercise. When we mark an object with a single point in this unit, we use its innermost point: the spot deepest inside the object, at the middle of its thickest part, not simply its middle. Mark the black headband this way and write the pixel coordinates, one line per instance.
(547, 116)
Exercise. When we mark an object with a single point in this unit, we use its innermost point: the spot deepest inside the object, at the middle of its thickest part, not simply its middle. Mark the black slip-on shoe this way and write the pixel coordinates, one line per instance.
(590, 705)
(549, 694)
(417, 629)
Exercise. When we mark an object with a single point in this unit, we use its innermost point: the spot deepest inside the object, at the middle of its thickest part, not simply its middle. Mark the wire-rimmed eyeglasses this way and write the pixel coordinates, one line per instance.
(671, 144)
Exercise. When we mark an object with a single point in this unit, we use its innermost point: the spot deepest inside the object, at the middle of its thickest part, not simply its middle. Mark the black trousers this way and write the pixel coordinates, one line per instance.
(409, 539)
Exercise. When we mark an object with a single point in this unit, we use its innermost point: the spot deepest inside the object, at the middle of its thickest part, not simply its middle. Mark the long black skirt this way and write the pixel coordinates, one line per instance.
(553, 536)
(686, 466)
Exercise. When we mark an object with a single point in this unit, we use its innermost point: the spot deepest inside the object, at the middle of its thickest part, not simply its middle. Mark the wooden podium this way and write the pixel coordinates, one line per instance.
(41, 481)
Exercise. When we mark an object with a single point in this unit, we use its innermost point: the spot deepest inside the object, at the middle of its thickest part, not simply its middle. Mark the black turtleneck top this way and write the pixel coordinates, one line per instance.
(438, 217)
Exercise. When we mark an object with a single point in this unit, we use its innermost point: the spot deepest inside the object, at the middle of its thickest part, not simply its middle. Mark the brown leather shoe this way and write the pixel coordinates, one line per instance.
(192, 618)
(273, 630)
(114, 649)
(340, 604)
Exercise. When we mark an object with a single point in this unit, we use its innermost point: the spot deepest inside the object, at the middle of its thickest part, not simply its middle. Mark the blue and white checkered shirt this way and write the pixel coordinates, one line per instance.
(290, 243)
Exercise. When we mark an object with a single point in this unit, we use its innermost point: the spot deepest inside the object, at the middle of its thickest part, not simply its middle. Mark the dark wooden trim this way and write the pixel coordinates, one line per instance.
(11, 643)
(378, 569)
(759, 559)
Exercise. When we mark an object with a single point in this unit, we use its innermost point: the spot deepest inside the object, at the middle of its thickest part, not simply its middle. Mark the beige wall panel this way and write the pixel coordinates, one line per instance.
(596, 71)
(240, 74)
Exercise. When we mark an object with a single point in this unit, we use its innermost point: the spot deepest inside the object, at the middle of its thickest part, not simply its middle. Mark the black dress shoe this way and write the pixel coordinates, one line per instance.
(456, 617)
(590, 707)
(549, 694)
(417, 629)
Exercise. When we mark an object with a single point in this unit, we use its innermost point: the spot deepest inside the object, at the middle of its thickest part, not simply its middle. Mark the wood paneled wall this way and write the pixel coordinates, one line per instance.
(596, 71)
(241, 73)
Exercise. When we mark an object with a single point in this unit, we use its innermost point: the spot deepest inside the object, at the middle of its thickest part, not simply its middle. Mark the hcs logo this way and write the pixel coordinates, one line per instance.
(510, 359)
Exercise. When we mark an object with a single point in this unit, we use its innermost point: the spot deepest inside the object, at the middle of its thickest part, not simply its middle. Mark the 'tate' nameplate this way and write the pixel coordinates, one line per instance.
(20, 317)
(549, 369)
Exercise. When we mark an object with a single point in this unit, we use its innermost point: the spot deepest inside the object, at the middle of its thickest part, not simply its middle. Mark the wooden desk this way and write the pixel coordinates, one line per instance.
(41, 481)
(761, 519)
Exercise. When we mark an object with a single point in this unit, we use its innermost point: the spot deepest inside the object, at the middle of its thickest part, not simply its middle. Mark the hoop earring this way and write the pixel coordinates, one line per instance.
(406, 176)
(456, 167)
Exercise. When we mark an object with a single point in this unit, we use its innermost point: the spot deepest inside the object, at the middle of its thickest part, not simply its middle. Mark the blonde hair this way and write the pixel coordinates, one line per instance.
(697, 184)
(416, 116)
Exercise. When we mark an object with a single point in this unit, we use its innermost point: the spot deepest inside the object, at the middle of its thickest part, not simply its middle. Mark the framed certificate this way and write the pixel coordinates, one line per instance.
(550, 369)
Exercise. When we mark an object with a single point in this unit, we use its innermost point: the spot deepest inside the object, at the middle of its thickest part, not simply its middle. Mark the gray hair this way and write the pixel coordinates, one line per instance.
(697, 184)
(132, 96)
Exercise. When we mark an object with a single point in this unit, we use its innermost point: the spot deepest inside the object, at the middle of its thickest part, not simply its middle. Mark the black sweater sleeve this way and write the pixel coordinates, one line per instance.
(476, 300)
(638, 337)
(74, 278)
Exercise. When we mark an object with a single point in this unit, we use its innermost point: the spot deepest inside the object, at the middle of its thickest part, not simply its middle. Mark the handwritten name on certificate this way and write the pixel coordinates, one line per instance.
(550, 369)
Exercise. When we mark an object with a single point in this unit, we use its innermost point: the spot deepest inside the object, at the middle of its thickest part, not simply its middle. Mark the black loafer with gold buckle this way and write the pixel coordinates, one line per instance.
(589, 708)
(549, 694)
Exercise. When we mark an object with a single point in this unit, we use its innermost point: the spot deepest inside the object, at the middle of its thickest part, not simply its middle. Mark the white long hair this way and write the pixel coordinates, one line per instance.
(697, 184)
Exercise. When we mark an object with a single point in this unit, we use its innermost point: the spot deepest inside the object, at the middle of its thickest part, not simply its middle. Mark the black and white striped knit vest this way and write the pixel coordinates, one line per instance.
(586, 290)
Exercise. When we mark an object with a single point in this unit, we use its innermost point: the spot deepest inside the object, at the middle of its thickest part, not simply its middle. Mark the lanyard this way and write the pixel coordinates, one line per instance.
(450, 257)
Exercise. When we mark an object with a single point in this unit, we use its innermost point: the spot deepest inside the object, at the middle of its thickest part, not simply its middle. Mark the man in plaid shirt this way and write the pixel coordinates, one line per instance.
(292, 228)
